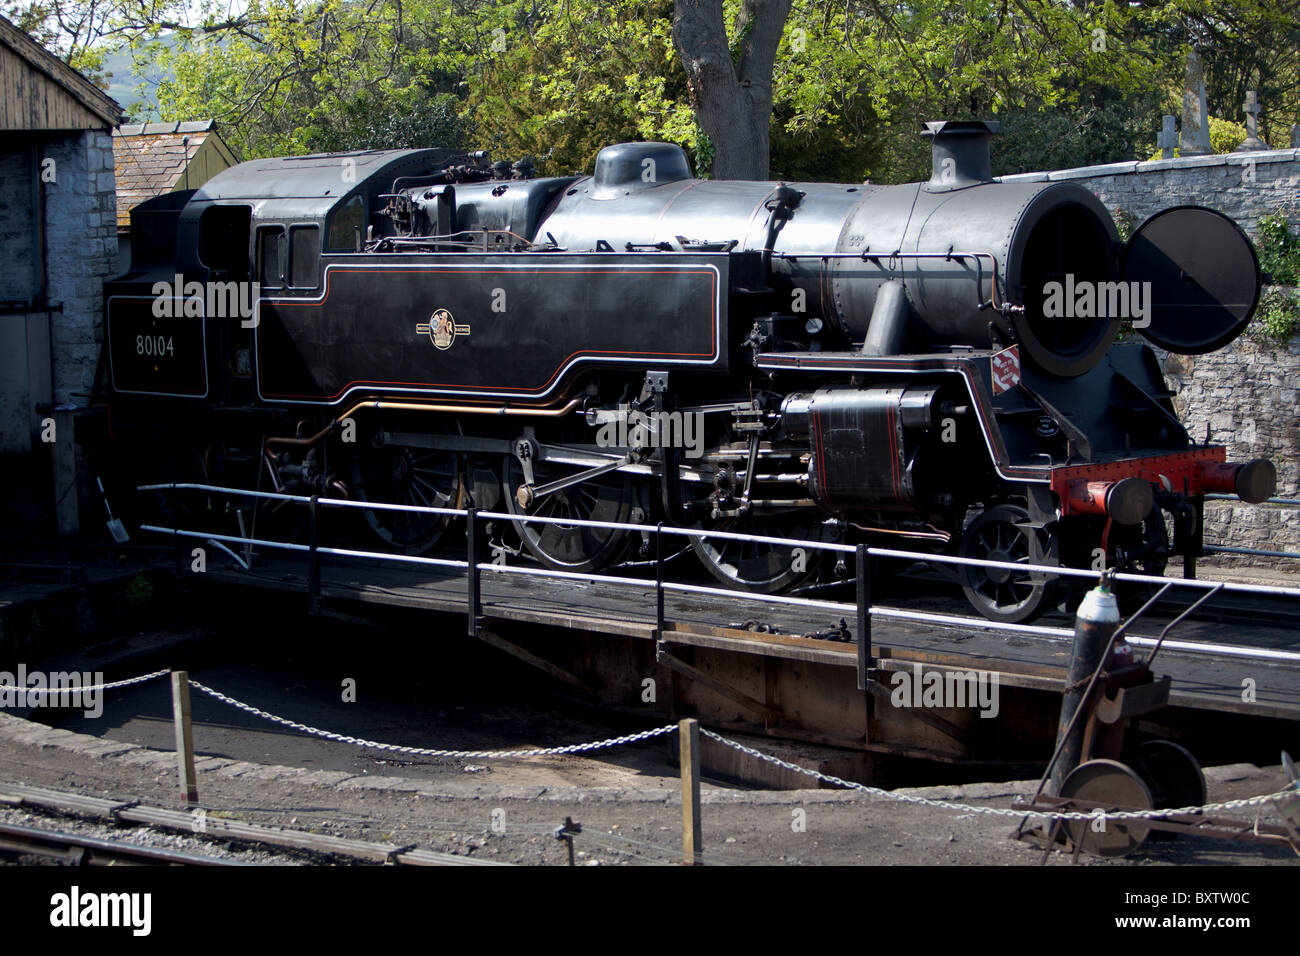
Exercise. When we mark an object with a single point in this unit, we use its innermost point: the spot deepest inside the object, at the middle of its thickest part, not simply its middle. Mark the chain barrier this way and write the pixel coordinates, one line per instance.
(1259, 801)
(428, 752)
(112, 685)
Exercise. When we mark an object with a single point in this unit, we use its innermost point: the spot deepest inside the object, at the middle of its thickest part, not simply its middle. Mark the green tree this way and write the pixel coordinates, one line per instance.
(1246, 45)
(560, 87)
(849, 82)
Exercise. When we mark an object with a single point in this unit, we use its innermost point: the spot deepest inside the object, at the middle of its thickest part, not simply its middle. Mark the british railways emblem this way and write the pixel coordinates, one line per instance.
(441, 329)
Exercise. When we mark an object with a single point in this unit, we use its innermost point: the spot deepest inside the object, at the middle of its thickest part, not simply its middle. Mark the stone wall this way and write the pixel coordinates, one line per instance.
(1247, 394)
(81, 246)
(1244, 186)
(78, 218)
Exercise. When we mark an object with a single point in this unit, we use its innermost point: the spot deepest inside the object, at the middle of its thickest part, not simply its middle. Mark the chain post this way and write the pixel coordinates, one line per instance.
(688, 740)
(865, 660)
(475, 601)
(184, 728)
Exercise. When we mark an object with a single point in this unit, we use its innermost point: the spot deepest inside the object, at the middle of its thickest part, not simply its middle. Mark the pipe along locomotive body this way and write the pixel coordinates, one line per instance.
(931, 366)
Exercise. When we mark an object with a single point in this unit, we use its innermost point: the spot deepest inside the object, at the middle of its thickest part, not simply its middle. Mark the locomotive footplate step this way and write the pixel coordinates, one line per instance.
(1201, 681)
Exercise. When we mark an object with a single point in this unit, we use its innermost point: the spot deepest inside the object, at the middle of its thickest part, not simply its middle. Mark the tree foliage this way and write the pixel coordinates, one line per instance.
(1073, 82)
(1246, 45)
(559, 87)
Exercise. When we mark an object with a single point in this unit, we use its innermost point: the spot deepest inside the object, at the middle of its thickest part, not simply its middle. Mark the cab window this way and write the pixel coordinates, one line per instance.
(348, 226)
(304, 257)
(271, 256)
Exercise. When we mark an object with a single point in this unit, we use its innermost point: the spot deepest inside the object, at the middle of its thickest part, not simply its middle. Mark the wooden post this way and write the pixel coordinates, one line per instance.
(688, 733)
(184, 737)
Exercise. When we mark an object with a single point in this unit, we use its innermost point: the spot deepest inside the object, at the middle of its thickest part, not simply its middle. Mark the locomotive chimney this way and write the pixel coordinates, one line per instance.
(959, 153)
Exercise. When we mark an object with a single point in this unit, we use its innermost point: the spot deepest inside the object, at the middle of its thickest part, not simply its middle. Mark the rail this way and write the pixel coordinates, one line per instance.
(212, 827)
(1253, 552)
(862, 609)
(79, 849)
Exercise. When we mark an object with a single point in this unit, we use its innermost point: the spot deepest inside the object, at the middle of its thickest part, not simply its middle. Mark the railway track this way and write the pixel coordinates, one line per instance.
(80, 849)
(83, 849)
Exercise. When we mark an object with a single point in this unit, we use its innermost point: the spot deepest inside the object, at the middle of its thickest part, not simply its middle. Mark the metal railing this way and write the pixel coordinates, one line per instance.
(862, 609)
(1253, 552)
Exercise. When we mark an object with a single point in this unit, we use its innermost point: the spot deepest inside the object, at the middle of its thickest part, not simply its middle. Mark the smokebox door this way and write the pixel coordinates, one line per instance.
(1204, 279)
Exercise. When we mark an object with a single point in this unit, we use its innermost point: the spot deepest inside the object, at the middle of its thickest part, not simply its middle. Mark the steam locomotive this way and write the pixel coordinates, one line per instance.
(945, 366)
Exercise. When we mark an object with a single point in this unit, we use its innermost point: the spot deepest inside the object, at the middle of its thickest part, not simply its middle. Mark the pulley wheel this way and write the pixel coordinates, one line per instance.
(1107, 785)
(1172, 773)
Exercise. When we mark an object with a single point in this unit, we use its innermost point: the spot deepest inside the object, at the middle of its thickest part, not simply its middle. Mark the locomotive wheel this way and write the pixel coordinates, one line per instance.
(763, 568)
(1002, 534)
(1107, 784)
(571, 547)
(1172, 773)
(401, 475)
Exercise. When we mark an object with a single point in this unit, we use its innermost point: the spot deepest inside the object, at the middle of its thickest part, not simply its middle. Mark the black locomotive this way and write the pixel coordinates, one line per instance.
(931, 365)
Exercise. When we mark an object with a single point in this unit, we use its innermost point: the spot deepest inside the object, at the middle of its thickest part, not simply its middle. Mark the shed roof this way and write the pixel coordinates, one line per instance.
(38, 91)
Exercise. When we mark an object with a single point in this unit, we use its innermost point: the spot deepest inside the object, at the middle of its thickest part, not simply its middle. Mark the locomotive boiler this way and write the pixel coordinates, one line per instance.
(959, 365)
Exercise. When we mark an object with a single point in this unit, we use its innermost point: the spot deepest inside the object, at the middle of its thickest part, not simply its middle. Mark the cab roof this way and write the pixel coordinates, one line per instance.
(323, 177)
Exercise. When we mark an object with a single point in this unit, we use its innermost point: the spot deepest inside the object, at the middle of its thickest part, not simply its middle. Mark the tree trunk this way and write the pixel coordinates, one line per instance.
(732, 100)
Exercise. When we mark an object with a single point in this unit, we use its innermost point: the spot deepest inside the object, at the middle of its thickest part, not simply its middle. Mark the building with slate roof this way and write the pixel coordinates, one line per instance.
(155, 158)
